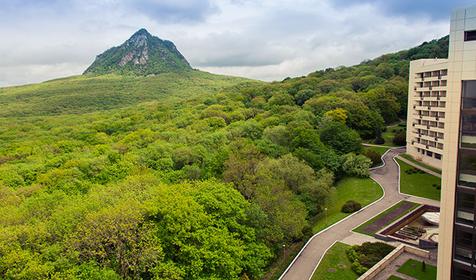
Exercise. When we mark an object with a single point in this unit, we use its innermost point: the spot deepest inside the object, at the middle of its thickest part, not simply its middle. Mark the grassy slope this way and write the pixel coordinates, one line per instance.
(379, 150)
(84, 94)
(389, 134)
(418, 184)
(410, 158)
(364, 191)
(393, 277)
(335, 265)
(413, 268)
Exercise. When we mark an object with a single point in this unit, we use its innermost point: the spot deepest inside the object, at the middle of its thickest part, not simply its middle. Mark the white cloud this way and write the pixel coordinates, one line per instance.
(269, 39)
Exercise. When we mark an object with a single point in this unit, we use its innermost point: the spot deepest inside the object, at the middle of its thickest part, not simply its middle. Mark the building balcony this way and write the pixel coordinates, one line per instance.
(421, 107)
(431, 138)
(435, 98)
(419, 145)
(467, 178)
(438, 109)
(421, 126)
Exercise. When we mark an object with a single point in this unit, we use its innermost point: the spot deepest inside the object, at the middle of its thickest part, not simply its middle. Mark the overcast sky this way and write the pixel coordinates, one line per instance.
(267, 39)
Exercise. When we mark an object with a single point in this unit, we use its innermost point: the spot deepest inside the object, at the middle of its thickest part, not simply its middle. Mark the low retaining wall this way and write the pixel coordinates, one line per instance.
(385, 262)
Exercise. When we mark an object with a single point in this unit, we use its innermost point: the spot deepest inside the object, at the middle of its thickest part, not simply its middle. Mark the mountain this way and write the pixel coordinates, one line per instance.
(142, 54)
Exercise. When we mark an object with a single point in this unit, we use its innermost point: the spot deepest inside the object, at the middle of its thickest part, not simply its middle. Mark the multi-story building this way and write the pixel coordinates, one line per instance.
(426, 110)
(457, 236)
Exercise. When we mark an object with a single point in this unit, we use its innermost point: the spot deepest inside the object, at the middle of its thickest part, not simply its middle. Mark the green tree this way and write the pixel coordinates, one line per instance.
(356, 165)
(338, 115)
(341, 138)
(118, 237)
(385, 103)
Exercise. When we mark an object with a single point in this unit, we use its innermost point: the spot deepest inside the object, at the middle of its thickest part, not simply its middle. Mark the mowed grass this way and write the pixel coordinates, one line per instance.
(335, 265)
(390, 132)
(418, 184)
(410, 158)
(379, 150)
(414, 269)
(389, 216)
(362, 190)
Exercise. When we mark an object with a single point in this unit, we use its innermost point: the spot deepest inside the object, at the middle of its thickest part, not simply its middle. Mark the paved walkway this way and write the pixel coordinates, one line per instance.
(375, 145)
(419, 167)
(356, 238)
(421, 200)
(387, 176)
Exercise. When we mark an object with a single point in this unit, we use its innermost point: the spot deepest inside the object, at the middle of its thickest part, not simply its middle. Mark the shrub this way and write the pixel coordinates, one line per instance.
(400, 139)
(379, 140)
(367, 255)
(358, 268)
(354, 165)
(352, 255)
(351, 206)
(373, 156)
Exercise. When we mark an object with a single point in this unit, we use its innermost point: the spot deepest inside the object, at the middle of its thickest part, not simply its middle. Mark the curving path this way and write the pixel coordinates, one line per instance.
(306, 261)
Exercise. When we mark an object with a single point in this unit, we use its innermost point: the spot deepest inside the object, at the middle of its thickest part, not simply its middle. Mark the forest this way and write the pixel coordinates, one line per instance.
(182, 176)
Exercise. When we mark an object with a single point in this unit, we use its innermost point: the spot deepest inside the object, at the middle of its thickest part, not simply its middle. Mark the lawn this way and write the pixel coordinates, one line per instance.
(362, 190)
(335, 265)
(379, 150)
(385, 218)
(418, 183)
(390, 133)
(414, 269)
(410, 158)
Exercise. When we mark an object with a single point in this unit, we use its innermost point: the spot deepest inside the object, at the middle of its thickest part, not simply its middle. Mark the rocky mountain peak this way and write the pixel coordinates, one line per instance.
(142, 53)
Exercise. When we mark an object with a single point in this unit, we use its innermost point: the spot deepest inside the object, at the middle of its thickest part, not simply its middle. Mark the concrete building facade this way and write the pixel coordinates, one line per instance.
(428, 81)
(457, 237)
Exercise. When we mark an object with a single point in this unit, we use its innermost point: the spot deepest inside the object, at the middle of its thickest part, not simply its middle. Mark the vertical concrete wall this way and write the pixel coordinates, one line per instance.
(461, 66)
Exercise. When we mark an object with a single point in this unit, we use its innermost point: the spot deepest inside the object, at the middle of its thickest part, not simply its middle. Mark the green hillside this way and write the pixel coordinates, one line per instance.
(180, 175)
(84, 94)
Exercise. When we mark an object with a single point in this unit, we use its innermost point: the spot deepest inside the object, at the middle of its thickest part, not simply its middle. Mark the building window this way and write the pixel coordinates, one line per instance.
(465, 201)
(470, 35)
(467, 167)
(462, 274)
(469, 90)
(428, 153)
(437, 156)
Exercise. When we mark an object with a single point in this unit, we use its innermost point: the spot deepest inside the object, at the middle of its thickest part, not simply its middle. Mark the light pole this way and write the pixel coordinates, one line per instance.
(284, 251)
(325, 214)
